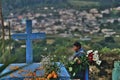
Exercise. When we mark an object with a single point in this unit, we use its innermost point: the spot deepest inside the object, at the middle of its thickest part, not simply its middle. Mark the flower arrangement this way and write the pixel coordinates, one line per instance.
(50, 67)
(82, 62)
(79, 63)
(93, 57)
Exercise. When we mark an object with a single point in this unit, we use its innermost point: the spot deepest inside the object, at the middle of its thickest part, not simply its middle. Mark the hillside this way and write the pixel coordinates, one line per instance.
(8, 4)
(101, 4)
(23, 5)
(20, 5)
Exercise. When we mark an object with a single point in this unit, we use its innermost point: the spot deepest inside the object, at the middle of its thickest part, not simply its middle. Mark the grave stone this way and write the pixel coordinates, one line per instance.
(116, 71)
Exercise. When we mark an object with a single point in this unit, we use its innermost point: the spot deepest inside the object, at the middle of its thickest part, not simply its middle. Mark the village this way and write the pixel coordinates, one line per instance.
(64, 22)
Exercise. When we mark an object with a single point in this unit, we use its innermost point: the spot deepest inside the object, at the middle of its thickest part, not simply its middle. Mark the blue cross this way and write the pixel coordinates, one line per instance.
(29, 36)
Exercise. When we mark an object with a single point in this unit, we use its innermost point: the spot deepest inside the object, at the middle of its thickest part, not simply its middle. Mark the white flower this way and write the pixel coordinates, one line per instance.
(91, 70)
(45, 49)
(45, 60)
(95, 52)
(90, 51)
(54, 55)
(64, 56)
(98, 62)
(52, 59)
(87, 55)
(74, 74)
(70, 69)
(95, 57)
(70, 58)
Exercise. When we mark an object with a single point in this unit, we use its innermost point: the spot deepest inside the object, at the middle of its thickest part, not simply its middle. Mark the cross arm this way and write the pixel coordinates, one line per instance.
(20, 36)
(37, 36)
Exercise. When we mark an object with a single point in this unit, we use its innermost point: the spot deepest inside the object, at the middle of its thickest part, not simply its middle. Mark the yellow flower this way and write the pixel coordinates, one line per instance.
(70, 69)
(71, 62)
(76, 59)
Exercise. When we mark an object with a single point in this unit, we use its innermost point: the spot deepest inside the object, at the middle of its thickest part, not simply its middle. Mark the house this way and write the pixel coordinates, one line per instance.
(108, 31)
(86, 38)
(118, 8)
(94, 11)
(106, 11)
(65, 35)
(110, 20)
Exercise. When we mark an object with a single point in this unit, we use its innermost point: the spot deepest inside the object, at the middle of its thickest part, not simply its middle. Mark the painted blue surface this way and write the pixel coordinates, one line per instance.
(29, 36)
(1, 65)
(63, 75)
(20, 36)
(116, 71)
(87, 74)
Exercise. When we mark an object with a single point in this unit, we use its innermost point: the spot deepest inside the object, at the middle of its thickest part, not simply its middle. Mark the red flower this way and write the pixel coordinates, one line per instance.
(90, 57)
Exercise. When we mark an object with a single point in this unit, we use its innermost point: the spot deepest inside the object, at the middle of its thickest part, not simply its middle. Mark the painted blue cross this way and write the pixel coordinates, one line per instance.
(29, 36)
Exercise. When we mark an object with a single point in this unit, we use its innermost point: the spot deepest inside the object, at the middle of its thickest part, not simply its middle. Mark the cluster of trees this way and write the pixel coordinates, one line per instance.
(100, 4)
(21, 6)
(60, 47)
(106, 3)
(8, 5)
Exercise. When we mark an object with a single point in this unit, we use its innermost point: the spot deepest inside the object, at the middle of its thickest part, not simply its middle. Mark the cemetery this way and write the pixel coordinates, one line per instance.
(48, 68)
(60, 40)
(29, 72)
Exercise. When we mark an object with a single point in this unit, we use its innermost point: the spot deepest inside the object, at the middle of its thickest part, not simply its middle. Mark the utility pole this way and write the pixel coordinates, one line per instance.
(3, 30)
(9, 30)
(9, 36)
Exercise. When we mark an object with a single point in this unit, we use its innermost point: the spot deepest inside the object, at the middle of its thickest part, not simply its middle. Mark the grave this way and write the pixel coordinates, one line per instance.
(29, 36)
(23, 73)
(116, 71)
(26, 72)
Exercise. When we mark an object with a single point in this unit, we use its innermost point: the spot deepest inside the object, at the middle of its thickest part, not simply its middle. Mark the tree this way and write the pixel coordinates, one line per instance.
(109, 40)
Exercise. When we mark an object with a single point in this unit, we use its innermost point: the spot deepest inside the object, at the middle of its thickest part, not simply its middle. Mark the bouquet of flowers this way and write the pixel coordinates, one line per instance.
(93, 57)
(82, 62)
(79, 63)
(50, 67)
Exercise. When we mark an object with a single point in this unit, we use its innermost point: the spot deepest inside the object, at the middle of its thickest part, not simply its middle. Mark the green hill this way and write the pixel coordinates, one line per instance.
(22, 5)
(83, 4)
(86, 4)
(12, 4)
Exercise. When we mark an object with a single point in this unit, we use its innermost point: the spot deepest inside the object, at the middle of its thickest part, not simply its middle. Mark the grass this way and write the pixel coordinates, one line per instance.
(117, 39)
(97, 39)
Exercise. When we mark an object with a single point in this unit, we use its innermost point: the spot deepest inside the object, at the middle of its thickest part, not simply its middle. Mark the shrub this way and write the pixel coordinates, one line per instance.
(116, 50)
(105, 50)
